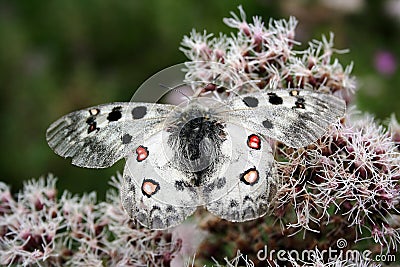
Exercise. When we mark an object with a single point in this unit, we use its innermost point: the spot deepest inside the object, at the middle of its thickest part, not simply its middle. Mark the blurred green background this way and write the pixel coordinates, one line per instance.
(60, 56)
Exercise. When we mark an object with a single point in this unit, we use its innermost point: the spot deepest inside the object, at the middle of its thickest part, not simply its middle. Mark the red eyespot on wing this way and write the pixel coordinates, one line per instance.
(254, 141)
(250, 177)
(150, 187)
(142, 153)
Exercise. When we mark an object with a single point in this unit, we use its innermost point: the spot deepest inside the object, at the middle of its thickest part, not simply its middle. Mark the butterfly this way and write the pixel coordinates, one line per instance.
(215, 154)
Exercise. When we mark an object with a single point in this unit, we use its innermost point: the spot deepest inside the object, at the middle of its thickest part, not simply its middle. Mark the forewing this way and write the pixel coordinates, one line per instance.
(294, 117)
(99, 136)
(152, 190)
(245, 188)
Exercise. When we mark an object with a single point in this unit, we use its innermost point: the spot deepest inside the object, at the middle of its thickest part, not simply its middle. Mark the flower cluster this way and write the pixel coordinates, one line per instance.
(37, 228)
(352, 174)
(266, 58)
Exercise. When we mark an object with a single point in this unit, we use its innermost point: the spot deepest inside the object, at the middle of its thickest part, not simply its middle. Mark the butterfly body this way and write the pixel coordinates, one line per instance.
(208, 153)
(197, 136)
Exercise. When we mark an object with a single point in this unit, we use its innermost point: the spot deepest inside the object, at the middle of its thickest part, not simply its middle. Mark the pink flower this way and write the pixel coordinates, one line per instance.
(385, 63)
(191, 237)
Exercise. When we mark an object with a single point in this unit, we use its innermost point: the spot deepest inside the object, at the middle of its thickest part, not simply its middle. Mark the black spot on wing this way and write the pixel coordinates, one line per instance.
(299, 103)
(247, 198)
(139, 112)
(274, 99)
(90, 120)
(92, 124)
(179, 185)
(250, 101)
(234, 203)
(170, 208)
(126, 139)
(115, 114)
(267, 124)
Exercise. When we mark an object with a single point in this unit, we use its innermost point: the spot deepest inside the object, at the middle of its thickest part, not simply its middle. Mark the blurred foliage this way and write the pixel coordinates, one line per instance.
(60, 56)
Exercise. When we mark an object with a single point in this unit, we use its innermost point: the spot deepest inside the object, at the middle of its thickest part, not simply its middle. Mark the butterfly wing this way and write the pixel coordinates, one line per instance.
(99, 136)
(294, 117)
(152, 190)
(243, 190)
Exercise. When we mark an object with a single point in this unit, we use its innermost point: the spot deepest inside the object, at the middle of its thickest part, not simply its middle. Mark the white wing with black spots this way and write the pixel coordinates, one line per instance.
(244, 190)
(99, 136)
(151, 191)
(294, 117)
